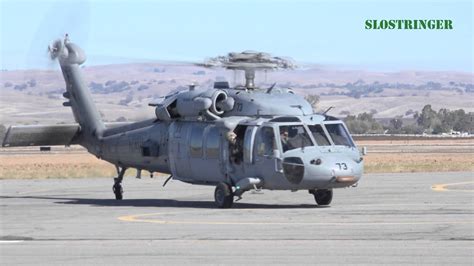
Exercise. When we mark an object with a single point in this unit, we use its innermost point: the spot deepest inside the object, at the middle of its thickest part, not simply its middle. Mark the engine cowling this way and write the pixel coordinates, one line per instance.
(211, 103)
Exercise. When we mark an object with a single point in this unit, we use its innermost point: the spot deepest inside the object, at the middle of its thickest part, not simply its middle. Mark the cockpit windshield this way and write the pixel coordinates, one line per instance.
(339, 135)
(294, 137)
(319, 135)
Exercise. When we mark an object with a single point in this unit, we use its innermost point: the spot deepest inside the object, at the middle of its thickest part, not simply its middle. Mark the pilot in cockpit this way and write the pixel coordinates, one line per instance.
(284, 138)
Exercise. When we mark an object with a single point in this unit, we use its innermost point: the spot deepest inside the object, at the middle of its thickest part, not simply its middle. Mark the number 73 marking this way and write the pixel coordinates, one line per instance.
(342, 166)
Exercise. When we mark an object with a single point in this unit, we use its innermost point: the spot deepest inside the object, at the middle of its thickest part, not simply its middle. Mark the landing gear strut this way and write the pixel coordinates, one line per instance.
(117, 188)
(223, 196)
(323, 197)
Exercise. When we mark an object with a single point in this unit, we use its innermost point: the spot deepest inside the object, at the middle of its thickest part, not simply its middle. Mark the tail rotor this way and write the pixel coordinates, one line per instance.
(56, 48)
(66, 52)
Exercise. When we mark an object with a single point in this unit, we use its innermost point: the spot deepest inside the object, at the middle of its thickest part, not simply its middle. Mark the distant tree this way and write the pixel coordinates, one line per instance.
(142, 87)
(32, 83)
(434, 85)
(412, 129)
(355, 94)
(96, 87)
(159, 70)
(447, 119)
(20, 87)
(127, 100)
(313, 99)
(356, 126)
(464, 122)
(345, 112)
(363, 123)
(444, 120)
(121, 86)
(396, 122)
(439, 128)
(409, 112)
(427, 117)
(110, 82)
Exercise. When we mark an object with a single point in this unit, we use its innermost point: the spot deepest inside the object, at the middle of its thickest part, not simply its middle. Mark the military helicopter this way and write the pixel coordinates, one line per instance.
(234, 138)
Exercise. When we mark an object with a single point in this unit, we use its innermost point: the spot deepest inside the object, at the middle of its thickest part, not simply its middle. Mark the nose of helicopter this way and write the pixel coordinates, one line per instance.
(314, 169)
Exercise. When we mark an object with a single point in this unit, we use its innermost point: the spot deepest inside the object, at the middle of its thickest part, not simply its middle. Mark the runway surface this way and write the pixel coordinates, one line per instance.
(419, 218)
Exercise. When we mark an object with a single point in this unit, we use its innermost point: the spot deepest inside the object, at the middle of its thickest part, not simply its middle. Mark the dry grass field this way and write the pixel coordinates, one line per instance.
(421, 155)
(418, 162)
(74, 165)
(384, 156)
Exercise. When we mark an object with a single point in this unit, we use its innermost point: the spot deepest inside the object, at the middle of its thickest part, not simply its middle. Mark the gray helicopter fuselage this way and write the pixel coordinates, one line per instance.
(197, 150)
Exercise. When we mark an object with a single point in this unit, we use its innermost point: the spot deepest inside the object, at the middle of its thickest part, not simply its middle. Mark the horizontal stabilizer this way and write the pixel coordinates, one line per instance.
(49, 135)
(40, 135)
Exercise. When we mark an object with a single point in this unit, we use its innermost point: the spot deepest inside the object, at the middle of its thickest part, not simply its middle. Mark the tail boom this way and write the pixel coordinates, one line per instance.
(70, 57)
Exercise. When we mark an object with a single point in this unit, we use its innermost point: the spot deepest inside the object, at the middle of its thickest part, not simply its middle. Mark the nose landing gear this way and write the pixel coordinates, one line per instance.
(322, 197)
(117, 187)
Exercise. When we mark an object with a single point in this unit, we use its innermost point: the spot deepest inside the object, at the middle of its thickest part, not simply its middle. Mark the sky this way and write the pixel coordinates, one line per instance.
(319, 32)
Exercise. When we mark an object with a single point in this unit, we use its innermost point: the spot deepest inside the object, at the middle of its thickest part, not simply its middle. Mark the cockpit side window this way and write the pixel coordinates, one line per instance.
(293, 137)
(319, 135)
(266, 142)
(339, 135)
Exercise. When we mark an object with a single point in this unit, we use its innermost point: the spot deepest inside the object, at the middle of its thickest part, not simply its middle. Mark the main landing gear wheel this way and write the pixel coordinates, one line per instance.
(323, 197)
(223, 196)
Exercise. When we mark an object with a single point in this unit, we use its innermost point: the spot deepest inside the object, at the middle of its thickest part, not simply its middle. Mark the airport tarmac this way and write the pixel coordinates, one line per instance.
(416, 218)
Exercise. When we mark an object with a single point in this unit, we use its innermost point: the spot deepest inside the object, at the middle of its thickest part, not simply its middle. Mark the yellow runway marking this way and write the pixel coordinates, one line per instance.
(143, 218)
(442, 187)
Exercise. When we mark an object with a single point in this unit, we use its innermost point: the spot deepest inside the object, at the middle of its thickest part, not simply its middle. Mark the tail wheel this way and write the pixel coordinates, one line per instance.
(223, 196)
(322, 196)
(118, 191)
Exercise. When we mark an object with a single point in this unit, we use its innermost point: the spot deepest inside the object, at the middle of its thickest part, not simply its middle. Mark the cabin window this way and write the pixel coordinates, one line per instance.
(196, 141)
(212, 143)
(146, 151)
(294, 137)
(319, 135)
(339, 135)
(150, 149)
